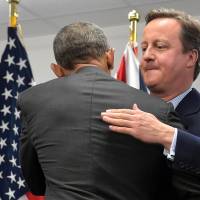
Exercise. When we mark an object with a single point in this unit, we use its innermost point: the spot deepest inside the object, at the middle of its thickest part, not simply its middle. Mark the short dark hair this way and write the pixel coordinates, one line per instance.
(78, 42)
(190, 33)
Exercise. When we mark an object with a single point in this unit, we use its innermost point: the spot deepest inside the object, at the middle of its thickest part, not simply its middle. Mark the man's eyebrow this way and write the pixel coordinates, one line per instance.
(143, 42)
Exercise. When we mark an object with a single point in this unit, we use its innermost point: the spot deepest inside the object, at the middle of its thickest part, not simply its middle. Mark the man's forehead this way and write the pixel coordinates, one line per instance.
(163, 23)
(162, 27)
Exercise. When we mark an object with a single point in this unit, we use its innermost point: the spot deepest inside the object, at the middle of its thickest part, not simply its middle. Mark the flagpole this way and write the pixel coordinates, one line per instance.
(133, 17)
(13, 14)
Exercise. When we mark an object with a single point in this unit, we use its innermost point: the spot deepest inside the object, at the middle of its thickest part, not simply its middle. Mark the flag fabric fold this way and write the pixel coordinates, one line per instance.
(129, 71)
(15, 76)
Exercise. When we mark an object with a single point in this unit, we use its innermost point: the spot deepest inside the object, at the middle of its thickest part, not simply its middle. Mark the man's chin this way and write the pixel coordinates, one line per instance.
(155, 89)
(150, 84)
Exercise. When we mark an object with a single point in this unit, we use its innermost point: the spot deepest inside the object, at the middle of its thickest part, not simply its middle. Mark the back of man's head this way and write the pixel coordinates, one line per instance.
(78, 43)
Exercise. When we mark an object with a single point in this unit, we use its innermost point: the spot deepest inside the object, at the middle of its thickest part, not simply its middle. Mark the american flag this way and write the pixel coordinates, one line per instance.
(15, 76)
(129, 71)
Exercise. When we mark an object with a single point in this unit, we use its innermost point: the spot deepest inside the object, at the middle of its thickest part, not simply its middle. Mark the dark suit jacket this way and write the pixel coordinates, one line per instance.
(68, 152)
(187, 155)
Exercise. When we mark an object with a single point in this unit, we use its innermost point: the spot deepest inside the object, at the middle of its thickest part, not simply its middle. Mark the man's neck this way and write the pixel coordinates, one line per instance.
(169, 96)
(92, 63)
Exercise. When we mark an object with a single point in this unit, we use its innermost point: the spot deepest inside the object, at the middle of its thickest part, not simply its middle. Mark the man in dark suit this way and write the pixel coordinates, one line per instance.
(67, 151)
(169, 65)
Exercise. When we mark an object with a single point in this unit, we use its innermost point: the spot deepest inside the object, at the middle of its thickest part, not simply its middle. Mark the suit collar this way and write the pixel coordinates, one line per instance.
(91, 68)
(190, 104)
(88, 69)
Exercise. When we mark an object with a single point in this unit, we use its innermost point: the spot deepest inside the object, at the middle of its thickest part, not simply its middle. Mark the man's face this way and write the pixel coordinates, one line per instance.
(163, 63)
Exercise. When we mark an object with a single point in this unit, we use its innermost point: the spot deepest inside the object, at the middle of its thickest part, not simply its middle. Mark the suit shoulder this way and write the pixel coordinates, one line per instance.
(144, 96)
(38, 87)
(36, 90)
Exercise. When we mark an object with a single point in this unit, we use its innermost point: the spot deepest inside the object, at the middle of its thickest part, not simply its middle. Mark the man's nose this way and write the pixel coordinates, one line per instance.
(148, 54)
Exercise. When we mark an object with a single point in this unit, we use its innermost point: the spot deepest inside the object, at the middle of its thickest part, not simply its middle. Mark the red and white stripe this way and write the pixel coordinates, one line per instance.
(128, 71)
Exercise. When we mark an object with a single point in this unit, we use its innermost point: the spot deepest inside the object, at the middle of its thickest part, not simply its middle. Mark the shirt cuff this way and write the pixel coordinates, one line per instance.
(170, 154)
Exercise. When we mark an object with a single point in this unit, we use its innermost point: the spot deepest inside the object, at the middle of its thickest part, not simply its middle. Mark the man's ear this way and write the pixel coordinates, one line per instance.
(193, 57)
(110, 58)
(58, 70)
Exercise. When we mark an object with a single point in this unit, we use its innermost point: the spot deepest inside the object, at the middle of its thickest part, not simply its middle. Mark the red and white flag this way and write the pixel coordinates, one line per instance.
(128, 70)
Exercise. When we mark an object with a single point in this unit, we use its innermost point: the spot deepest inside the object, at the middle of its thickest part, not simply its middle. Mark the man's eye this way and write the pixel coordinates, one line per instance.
(143, 49)
(161, 46)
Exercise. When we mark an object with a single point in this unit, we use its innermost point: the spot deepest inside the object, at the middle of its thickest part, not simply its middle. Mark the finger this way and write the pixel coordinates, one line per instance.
(128, 111)
(117, 122)
(122, 116)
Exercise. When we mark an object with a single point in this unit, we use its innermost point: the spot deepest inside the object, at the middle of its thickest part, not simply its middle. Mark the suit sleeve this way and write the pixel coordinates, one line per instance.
(186, 165)
(30, 165)
(188, 152)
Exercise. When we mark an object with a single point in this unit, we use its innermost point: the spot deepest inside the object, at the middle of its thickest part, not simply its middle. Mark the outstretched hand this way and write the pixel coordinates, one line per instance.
(139, 124)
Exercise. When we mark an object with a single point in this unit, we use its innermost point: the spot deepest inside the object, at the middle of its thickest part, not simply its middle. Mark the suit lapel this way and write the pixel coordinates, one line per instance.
(190, 104)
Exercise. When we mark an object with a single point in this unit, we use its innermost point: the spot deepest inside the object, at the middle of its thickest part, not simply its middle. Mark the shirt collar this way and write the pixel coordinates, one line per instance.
(175, 101)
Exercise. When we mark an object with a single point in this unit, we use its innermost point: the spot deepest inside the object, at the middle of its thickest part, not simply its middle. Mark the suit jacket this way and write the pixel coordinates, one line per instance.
(68, 152)
(187, 159)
